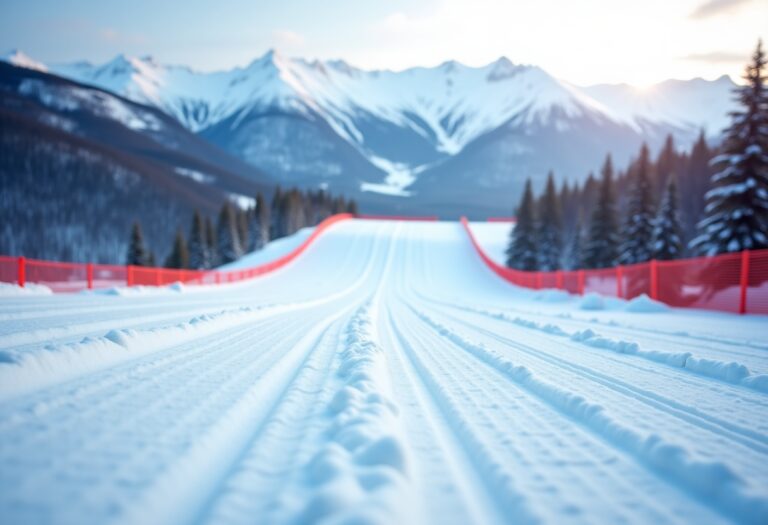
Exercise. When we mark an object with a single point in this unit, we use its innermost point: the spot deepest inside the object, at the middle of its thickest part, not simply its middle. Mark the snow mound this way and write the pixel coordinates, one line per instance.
(361, 474)
(730, 372)
(592, 301)
(14, 290)
(644, 304)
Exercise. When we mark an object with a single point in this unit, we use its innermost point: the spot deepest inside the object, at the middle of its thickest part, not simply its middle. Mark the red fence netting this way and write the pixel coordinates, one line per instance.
(74, 277)
(733, 282)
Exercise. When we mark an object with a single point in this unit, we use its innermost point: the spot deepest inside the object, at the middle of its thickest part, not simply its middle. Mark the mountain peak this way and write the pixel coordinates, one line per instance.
(18, 58)
(502, 69)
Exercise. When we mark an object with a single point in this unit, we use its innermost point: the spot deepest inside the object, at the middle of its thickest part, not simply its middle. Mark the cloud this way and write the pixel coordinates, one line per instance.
(108, 34)
(717, 57)
(712, 8)
(285, 39)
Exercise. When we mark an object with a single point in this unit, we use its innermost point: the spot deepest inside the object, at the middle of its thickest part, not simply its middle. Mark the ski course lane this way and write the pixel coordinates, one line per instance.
(130, 438)
(283, 472)
(537, 464)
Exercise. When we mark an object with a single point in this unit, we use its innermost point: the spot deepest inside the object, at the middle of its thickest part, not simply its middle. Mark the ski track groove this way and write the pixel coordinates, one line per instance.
(601, 427)
(745, 436)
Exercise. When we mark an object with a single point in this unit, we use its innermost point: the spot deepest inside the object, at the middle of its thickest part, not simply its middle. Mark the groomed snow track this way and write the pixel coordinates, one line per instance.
(386, 376)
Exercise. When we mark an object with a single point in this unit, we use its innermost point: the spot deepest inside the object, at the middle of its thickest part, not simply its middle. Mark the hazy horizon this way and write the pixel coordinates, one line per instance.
(605, 42)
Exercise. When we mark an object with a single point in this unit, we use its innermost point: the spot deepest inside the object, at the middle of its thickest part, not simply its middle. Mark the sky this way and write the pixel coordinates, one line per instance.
(582, 41)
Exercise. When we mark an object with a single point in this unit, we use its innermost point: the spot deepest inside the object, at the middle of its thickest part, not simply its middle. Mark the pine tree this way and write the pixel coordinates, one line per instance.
(667, 243)
(666, 163)
(243, 223)
(151, 259)
(638, 226)
(260, 228)
(521, 253)
(694, 185)
(736, 213)
(602, 245)
(179, 256)
(214, 259)
(199, 256)
(352, 207)
(573, 256)
(228, 239)
(276, 226)
(549, 232)
(137, 252)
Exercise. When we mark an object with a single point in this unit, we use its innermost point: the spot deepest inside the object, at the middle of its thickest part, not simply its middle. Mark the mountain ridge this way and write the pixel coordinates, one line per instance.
(389, 132)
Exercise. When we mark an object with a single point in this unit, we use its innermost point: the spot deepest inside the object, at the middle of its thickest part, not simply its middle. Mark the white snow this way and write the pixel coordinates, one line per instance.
(9, 289)
(384, 376)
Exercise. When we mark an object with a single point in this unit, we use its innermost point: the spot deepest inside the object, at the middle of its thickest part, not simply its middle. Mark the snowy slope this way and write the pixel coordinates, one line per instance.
(386, 376)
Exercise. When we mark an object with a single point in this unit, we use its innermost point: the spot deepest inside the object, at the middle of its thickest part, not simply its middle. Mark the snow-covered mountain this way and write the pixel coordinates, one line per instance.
(414, 131)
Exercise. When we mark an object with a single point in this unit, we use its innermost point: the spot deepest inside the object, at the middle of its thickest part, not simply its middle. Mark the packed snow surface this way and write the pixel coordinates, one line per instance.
(385, 376)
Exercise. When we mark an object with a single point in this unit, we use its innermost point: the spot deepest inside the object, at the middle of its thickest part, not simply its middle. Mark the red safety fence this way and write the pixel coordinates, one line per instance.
(732, 282)
(501, 219)
(74, 277)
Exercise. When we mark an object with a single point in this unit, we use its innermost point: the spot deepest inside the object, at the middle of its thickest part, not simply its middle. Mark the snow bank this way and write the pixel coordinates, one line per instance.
(361, 474)
(14, 290)
(271, 251)
(731, 372)
(26, 370)
(590, 338)
(592, 301)
(644, 304)
(711, 480)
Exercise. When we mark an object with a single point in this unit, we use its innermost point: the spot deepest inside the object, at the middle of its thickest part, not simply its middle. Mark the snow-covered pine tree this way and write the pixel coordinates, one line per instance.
(179, 256)
(637, 232)
(137, 252)
(549, 234)
(602, 245)
(228, 239)
(199, 257)
(736, 213)
(521, 253)
(213, 245)
(667, 243)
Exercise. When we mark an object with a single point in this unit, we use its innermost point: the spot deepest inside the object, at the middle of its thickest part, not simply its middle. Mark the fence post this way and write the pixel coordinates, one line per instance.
(619, 281)
(743, 281)
(89, 275)
(654, 267)
(580, 276)
(22, 272)
(129, 275)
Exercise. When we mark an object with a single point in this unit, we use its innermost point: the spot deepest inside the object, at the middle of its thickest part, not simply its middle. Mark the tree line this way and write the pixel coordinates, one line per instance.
(702, 202)
(237, 230)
